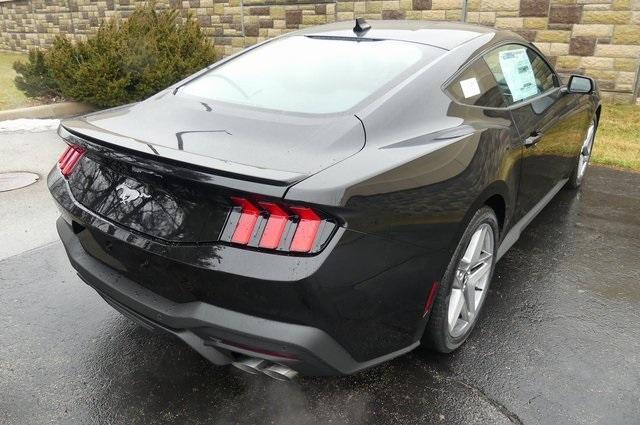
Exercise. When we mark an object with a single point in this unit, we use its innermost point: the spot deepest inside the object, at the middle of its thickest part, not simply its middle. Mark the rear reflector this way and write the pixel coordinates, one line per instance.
(69, 159)
(271, 225)
(430, 298)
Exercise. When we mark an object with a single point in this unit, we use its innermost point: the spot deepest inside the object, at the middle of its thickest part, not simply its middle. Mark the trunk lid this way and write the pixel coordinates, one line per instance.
(168, 169)
(257, 144)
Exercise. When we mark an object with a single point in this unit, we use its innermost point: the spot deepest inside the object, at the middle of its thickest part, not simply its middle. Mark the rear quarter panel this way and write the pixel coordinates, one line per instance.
(427, 165)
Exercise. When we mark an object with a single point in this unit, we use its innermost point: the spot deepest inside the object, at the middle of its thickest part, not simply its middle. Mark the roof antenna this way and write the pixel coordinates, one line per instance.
(361, 27)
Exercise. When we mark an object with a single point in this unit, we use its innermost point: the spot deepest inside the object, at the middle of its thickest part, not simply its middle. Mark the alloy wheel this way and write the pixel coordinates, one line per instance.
(471, 281)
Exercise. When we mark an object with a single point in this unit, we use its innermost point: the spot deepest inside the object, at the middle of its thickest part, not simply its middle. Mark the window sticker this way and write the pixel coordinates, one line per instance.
(470, 87)
(518, 73)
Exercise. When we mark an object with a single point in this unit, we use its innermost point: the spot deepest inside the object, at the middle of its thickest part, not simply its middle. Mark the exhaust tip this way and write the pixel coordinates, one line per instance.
(251, 365)
(280, 372)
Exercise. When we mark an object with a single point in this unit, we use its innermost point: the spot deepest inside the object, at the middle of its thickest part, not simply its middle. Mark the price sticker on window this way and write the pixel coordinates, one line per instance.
(518, 73)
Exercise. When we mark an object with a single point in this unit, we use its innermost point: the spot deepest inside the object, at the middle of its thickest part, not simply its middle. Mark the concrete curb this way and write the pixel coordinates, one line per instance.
(53, 110)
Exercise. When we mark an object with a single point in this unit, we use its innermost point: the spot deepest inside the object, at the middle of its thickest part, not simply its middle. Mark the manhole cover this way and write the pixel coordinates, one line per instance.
(16, 180)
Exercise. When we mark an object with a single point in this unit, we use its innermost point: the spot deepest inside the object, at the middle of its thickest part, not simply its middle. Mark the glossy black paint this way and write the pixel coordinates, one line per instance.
(401, 176)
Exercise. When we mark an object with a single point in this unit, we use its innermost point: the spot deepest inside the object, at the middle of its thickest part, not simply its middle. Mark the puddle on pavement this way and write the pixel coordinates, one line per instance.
(17, 180)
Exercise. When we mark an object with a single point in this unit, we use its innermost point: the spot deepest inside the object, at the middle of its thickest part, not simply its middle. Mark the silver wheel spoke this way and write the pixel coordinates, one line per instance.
(457, 301)
(470, 301)
(472, 254)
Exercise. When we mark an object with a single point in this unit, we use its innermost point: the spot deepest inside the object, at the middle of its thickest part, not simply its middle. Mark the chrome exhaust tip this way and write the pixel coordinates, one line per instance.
(280, 372)
(251, 365)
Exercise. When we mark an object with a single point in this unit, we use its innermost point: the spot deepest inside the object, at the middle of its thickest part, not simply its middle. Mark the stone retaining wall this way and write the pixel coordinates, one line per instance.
(600, 38)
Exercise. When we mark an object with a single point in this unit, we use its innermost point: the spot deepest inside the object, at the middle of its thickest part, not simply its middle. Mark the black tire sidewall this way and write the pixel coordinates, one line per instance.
(436, 334)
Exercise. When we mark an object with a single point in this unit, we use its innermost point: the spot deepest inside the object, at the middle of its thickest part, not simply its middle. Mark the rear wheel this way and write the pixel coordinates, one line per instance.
(582, 162)
(465, 284)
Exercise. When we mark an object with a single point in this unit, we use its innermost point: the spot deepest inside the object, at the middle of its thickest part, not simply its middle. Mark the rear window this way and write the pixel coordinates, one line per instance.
(310, 75)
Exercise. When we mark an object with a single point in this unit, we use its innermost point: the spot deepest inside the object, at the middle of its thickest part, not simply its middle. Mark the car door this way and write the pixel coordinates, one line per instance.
(548, 128)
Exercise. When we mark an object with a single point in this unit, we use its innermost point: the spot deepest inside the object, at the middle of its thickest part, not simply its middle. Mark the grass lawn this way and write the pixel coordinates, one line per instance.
(618, 137)
(10, 96)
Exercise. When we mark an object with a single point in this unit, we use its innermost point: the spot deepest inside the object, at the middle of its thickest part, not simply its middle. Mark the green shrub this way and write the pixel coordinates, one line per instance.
(34, 77)
(129, 60)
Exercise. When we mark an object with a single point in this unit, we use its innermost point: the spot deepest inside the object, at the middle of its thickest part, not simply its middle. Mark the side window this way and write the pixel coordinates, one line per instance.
(476, 86)
(520, 72)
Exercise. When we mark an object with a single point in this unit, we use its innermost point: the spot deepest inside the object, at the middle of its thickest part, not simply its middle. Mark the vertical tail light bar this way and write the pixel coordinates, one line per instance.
(307, 229)
(274, 226)
(248, 218)
(69, 159)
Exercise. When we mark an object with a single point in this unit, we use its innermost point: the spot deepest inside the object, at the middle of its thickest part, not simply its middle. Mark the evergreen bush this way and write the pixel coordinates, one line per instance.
(126, 61)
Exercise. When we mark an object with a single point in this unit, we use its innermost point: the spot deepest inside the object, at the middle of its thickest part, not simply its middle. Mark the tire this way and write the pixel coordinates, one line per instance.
(582, 161)
(439, 334)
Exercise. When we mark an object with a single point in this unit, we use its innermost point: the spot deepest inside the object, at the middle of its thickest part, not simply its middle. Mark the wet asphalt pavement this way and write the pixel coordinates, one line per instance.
(558, 343)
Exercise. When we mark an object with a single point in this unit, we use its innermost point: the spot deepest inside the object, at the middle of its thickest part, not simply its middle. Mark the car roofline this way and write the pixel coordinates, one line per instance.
(444, 35)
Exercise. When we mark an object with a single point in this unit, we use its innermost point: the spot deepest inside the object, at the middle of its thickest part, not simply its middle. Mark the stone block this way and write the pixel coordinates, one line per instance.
(553, 36)
(422, 4)
(390, 4)
(393, 14)
(509, 23)
(593, 62)
(593, 30)
(453, 15)
(626, 64)
(626, 34)
(487, 18)
(434, 15)
(259, 10)
(529, 35)
(293, 17)
(373, 7)
(567, 62)
(445, 4)
(582, 46)
(534, 8)
(606, 17)
(497, 5)
(558, 49)
(536, 23)
(565, 14)
(618, 51)
(621, 5)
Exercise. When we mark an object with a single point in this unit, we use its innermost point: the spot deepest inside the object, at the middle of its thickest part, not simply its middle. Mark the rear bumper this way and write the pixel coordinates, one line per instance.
(216, 333)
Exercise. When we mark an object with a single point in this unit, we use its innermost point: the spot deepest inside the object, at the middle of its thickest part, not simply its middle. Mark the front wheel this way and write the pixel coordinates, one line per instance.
(465, 284)
(582, 162)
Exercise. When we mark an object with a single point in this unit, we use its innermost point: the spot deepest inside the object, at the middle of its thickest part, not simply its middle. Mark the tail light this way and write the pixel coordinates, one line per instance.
(274, 226)
(69, 159)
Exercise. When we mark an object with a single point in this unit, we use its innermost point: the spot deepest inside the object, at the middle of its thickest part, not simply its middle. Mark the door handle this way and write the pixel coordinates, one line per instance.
(532, 139)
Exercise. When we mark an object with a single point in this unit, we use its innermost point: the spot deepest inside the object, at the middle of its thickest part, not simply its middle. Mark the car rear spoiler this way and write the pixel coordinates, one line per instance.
(179, 163)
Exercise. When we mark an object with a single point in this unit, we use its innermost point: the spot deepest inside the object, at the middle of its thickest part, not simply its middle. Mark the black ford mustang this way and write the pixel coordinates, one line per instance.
(327, 200)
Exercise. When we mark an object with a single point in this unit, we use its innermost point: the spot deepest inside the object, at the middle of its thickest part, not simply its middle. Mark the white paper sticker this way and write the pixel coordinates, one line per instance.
(518, 73)
(470, 87)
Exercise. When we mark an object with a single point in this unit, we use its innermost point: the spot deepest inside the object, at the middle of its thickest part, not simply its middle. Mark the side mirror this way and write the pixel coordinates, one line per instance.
(580, 84)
